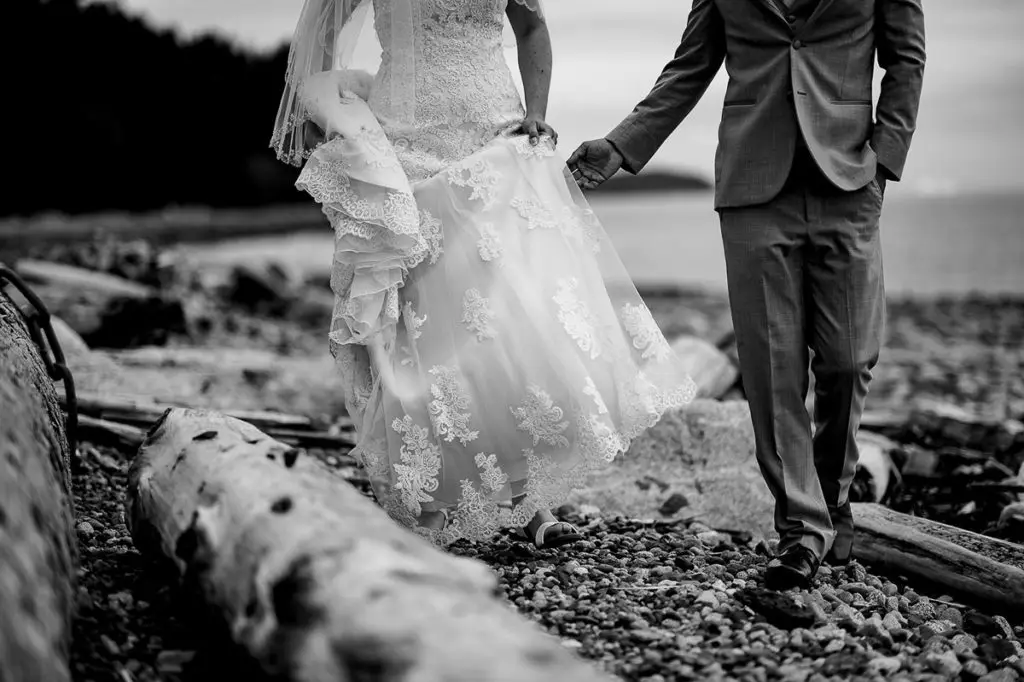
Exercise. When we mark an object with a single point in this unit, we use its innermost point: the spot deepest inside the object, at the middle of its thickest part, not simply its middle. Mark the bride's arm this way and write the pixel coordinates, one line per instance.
(534, 47)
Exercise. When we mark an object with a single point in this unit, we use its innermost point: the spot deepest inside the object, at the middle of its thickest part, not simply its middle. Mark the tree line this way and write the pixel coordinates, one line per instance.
(104, 112)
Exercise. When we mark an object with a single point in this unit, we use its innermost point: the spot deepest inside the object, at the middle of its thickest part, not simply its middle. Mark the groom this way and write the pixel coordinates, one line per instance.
(800, 173)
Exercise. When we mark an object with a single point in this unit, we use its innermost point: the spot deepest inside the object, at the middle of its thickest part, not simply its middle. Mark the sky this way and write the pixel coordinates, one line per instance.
(970, 131)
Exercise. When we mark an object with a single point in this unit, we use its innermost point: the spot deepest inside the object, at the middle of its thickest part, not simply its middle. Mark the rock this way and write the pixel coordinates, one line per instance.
(1003, 626)
(713, 538)
(1001, 675)
(995, 650)
(673, 504)
(711, 369)
(707, 598)
(945, 663)
(963, 643)
(885, 665)
(974, 669)
(876, 473)
(952, 615)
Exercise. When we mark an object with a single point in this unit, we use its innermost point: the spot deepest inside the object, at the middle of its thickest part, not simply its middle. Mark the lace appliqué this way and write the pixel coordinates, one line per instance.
(421, 463)
(491, 475)
(477, 315)
(647, 337)
(448, 409)
(576, 318)
(480, 177)
(489, 245)
(542, 150)
(433, 235)
(535, 213)
(541, 418)
(413, 324)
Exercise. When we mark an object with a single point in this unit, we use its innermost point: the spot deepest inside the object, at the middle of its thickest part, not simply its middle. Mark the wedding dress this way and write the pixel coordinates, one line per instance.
(492, 344)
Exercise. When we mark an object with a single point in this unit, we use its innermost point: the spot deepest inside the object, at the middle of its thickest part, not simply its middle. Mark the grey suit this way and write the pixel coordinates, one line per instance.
(798, 191)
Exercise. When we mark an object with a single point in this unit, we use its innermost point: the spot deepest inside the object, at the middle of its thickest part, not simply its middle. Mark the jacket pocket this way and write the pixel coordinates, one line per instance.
(739, 103)
(852, 102)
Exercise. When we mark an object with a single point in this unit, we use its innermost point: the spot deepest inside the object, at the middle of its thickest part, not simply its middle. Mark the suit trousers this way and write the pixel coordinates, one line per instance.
(805, 277)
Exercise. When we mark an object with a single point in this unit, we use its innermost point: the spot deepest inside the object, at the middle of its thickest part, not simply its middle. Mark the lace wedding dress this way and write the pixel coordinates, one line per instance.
(493, 346)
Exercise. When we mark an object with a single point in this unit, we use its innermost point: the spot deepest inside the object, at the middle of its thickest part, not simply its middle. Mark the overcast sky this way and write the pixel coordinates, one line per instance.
(608, 53)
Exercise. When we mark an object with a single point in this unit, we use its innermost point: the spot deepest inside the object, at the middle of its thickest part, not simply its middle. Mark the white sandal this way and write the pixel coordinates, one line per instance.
(568, 538)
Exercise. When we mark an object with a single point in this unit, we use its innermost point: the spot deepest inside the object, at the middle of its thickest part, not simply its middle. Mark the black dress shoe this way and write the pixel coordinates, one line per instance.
(796, 567)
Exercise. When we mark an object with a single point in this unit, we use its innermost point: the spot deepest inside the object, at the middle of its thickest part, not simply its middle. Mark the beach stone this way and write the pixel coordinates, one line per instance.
(711, 369)
(1001, 675)
(963, 643)
(885, 665)
(974, 669)
(945, 663)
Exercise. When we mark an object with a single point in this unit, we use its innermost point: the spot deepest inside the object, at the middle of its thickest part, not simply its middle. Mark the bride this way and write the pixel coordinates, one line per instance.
(493, 348)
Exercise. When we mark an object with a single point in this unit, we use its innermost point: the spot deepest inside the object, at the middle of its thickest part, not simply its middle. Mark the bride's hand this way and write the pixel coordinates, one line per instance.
(535, 127)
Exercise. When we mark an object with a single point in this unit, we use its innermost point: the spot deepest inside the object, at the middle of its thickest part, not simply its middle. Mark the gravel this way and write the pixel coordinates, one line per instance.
(658, 601)
(644, 600)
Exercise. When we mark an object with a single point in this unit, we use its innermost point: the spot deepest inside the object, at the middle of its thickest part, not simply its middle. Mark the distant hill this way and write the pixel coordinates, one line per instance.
(102, 111)
(656, 181)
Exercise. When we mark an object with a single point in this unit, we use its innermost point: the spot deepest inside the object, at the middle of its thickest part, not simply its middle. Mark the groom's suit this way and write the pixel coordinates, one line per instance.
(799, 178)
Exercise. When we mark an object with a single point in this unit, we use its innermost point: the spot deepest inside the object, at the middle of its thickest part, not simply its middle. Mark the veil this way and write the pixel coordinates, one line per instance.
(330, 36)
(337, 37)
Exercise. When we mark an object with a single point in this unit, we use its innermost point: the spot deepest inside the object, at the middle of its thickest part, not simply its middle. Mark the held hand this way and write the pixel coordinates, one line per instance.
(594, 162)
(535, 127)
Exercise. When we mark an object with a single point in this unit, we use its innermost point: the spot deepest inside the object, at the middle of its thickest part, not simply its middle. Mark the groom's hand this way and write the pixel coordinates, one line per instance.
(594, 162)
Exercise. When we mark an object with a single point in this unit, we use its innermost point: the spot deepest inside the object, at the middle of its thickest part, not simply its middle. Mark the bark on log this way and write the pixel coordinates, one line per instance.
(979, 570)
(313, 580)
(37, 542)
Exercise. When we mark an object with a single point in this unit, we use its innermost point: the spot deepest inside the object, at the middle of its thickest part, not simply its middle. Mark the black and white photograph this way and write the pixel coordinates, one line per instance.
(512, 341)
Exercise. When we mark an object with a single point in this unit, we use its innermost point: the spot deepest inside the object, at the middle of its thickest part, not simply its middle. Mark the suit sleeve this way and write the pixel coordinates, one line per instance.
(680, 86)
(899, 37)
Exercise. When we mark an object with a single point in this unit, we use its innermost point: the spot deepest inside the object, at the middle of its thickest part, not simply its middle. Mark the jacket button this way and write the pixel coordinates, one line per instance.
(797, 44)
(791, 18)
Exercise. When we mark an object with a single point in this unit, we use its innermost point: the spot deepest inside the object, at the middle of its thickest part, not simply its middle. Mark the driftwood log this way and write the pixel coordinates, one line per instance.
(113, 417)
(980, 570)
(37, 542)
(311, 578)
(105, 310)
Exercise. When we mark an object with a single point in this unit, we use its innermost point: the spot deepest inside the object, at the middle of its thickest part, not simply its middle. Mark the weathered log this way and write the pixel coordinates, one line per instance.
(37, 542)
(106, 311)
(123, 422)
(105, 432)
(980, 570)
(145, 412)
(313, 580)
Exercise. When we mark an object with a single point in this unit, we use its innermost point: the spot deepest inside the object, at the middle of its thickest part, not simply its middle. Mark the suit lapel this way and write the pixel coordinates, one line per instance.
(818, 11)
(774, 8)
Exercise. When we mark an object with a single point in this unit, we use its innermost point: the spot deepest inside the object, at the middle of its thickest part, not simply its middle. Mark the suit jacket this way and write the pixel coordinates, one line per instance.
(790, 80)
